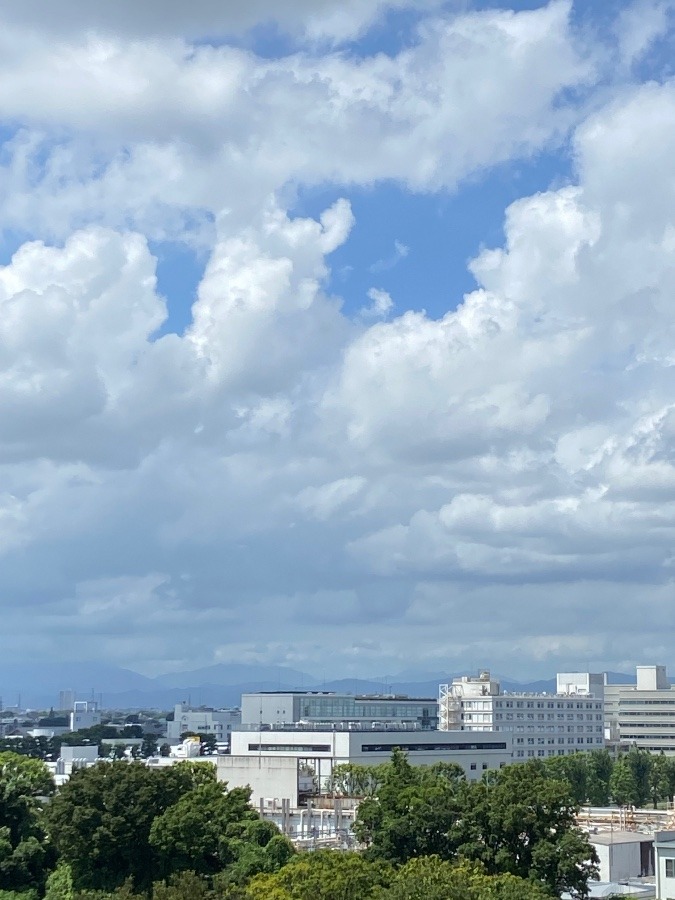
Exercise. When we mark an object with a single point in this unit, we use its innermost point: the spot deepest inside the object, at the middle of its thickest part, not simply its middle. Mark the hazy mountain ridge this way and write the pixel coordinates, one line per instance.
(218, 685)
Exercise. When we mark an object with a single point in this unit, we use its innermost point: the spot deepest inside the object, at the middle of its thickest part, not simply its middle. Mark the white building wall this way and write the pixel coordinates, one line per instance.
(84, 715)
(475, 753)
(642, 714)
(216, 722)
(619, 861)
(270, 778)
(541, 725)
(665, 859)
(270, 709)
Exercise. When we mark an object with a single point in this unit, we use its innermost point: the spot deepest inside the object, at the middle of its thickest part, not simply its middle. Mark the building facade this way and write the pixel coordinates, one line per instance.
(541, 725)
(216, 722)
(285, 762)
(642, 714)
(85, 714)
(316, 707)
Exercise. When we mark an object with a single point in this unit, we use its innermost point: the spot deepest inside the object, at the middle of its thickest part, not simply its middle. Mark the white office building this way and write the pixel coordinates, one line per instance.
(204, 720)
(283, 762)
(642, 714)
(541, 725)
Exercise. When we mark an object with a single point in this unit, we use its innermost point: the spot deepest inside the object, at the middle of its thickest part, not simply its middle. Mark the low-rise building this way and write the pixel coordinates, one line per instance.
(204, 721)
(85, 714)
(285, 762)
(624, 855)
(329, 708)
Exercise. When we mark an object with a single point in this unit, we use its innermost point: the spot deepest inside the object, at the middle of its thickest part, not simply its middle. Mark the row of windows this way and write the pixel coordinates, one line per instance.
(644, 724)
(531, 729)
(289, 748)
(540, 717)
(670, 702)
(549, 704)
(522, 753)
(387, 748)
(571, 740)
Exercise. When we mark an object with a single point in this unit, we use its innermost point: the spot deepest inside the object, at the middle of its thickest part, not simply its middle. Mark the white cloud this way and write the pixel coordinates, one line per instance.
(313, 19)
(281, 466)
(381, 304)
(160, 133)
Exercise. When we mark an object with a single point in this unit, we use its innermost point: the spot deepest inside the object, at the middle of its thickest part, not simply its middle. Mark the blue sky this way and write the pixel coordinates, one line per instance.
(404, 378)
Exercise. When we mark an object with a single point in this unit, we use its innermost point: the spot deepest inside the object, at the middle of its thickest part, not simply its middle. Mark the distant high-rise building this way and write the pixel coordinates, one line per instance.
(66, 700)
(643, 714)
(542, 725)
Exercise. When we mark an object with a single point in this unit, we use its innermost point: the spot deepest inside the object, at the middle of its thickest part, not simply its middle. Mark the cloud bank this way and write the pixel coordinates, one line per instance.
(492, 485)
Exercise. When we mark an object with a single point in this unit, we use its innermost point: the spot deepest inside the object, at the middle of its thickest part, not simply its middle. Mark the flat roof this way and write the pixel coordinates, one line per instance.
(606, 838)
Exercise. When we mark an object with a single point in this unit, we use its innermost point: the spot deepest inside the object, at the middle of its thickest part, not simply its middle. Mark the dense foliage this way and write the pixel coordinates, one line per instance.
(127, 831)
(521, 822)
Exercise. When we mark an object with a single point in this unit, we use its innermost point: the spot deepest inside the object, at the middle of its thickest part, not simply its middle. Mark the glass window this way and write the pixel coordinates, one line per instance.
(670, 868)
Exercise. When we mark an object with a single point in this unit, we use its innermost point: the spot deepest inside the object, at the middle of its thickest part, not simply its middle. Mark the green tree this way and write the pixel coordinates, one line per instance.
(323, 875)
(149, 746)
(640, 764)
(413, 812)
(600, 767)
(24, 856)
(101, 818)
(60, 884)
(430, 878)
(659, 778)
(525, 825)
(193, 833)
(352, 780)
(182, 886)
(623, 785)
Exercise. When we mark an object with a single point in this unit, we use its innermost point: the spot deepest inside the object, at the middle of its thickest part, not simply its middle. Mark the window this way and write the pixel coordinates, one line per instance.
(473, 767)
(670, 868)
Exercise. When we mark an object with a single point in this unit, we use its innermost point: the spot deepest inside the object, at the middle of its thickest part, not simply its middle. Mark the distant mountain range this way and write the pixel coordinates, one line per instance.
(37, 685)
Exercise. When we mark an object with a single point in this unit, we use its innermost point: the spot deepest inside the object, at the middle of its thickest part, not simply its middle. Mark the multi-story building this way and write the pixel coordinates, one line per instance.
(285, 761)
(642, 714)
(206, 721)
(328, 708)
(66, 699)
(85, 714)
(541, 725)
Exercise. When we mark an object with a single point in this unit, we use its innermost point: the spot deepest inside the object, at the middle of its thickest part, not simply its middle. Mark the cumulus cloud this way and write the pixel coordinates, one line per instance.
(185, 131)
(493, 484)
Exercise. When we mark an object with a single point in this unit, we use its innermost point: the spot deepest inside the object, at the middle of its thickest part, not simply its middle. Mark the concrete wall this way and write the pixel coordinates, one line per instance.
(619, 862)
(268, 777)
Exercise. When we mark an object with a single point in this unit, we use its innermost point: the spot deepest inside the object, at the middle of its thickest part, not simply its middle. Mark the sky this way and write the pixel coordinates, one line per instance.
(338, 336)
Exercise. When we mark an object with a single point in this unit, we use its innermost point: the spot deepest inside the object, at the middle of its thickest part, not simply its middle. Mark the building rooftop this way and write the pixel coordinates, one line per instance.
(607, 838)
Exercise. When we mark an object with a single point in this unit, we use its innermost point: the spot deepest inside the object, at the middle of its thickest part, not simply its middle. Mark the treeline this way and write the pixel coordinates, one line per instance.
(636, 778)
(49, 749)
(124, 831)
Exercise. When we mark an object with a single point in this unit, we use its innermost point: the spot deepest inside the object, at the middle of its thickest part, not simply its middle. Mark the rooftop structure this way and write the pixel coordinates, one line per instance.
(329, 708)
